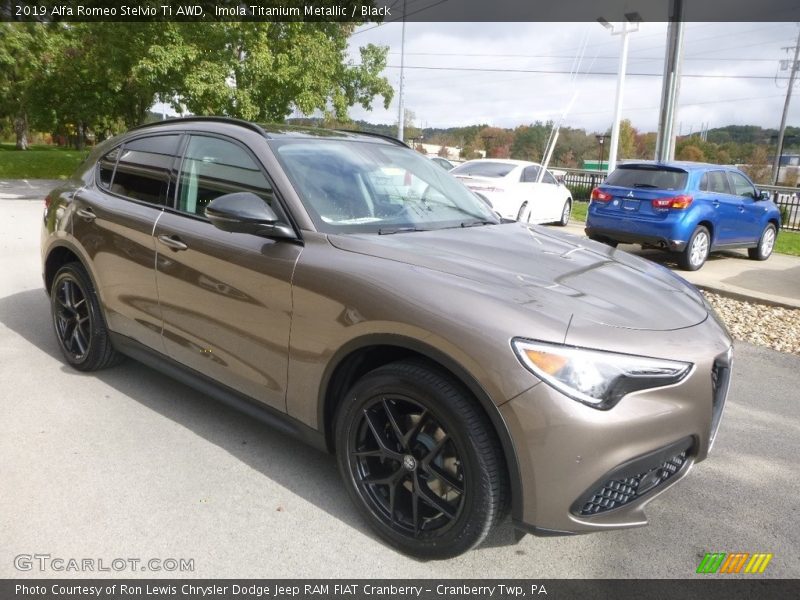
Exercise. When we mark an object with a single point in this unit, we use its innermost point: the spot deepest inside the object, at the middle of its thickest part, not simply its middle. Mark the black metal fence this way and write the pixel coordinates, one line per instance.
(581, 183)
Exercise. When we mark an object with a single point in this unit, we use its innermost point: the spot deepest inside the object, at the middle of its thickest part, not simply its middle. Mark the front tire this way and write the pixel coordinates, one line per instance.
(766, 244)
(697, 250)
(79, 324)
(565, 212)
(420, 460)
(523, 214)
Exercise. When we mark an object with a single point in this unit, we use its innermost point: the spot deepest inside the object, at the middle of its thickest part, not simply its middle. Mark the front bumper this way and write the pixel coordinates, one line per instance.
(587, 470)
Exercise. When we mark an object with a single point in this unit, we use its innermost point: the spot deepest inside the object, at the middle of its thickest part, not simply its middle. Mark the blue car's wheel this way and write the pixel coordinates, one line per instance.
(765, 244)
(697, 249)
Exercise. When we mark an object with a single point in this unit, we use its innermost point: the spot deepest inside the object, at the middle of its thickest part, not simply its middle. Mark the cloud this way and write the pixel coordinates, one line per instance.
(442, 90)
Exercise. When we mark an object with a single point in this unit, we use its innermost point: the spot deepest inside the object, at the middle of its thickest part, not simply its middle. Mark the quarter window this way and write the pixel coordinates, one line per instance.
(106, 167)
(213, 167)
(530, 174)
(143, 168)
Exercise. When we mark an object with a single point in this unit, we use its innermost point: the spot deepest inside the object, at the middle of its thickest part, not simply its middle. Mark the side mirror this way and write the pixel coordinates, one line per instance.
(764, 195)
(244, 212)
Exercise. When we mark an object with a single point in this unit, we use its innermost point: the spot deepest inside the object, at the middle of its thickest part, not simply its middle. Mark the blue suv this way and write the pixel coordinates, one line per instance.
(684, 207)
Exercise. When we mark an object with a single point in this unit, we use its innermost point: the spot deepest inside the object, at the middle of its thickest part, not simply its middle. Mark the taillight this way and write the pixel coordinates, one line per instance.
(47, 201)
(677, 202)
(600, 195)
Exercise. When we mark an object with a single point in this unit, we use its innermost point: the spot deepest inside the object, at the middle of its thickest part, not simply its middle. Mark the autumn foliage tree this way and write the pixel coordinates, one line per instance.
(106, 76)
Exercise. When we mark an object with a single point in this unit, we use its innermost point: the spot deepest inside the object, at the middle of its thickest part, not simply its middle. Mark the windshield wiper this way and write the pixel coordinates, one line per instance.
(477, 222)
(391, 230)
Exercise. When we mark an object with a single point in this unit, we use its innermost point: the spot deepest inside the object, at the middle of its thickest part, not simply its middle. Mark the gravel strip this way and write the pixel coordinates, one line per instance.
(771, 326)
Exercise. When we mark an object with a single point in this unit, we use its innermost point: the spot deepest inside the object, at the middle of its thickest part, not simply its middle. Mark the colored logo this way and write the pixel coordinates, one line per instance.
(736, 562)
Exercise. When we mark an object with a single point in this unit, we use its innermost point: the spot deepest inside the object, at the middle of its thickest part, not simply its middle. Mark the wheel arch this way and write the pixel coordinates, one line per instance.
(58, 255)
(362, 355)
(705, 222)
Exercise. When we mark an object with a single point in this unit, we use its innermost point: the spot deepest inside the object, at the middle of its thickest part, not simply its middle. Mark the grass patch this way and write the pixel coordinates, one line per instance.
(39, 162)
(579, 210)
(788, 242)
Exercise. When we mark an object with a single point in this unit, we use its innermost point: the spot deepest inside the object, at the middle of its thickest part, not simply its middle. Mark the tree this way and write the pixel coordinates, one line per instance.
(758, 166)
(496, 141)
(529, 141)
(690, 152)
(262, 71)
(627, 140)
(20, 54)
(105, 76)
(645, 144)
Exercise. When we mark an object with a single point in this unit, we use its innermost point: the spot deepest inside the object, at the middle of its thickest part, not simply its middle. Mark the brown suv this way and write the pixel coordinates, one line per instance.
(346, 289)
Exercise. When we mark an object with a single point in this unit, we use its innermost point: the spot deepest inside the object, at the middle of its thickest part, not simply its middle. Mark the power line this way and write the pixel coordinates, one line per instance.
(563, 72)
(560, 56)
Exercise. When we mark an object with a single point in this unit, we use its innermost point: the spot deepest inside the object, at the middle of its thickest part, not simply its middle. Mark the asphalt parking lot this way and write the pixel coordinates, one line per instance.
(127, 463)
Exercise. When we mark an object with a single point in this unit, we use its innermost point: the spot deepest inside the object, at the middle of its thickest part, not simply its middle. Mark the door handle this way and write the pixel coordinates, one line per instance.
(715, 203)
(741, 208)
(86, 213)
(173, 242)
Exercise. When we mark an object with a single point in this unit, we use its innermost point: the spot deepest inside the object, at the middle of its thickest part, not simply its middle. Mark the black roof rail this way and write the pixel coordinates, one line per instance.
(231, 120)
(378, 135)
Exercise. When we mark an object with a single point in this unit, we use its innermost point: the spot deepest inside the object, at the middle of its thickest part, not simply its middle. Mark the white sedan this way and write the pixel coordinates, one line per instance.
(511, 187)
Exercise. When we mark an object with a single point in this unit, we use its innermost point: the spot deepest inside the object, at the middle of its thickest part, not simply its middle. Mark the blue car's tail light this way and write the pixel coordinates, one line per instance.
(676, 202)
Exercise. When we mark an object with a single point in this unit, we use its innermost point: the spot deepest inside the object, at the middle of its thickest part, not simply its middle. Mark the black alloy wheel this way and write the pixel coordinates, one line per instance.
(79, 324)
(407, 466)
(420, 460)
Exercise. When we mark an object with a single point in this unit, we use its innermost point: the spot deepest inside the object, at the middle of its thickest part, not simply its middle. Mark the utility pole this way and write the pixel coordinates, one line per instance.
(776, 166)
(665, 142)
(401, 117)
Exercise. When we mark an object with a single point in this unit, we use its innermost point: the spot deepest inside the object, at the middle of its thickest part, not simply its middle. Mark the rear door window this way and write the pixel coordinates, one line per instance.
(548, 178)
(143, 169)
(715, 182)
(636, 176)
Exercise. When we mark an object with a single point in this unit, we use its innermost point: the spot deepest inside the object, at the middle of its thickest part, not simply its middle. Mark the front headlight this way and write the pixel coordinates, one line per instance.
(596, 378)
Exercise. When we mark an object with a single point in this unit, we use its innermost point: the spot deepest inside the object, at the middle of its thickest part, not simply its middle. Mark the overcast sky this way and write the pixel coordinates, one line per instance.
(441, 96)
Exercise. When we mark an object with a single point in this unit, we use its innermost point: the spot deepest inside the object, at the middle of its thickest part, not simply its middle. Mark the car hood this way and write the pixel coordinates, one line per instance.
(554, 273)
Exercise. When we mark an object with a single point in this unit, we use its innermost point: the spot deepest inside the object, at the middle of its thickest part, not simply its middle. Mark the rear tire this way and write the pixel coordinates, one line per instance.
(79, 324)
(697, 250)
(766, 244)
(420, 460)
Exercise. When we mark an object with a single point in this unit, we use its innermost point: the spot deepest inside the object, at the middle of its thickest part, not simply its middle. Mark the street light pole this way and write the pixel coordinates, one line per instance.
(623, 63)
(629, 26)
(601, 138)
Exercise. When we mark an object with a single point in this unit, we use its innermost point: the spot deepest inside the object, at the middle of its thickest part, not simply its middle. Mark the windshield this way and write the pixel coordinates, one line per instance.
(355, 187)
(480, 168)
(647, 176)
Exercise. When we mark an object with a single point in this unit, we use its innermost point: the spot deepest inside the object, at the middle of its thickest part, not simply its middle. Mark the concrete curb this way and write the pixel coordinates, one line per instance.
(742, 297)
